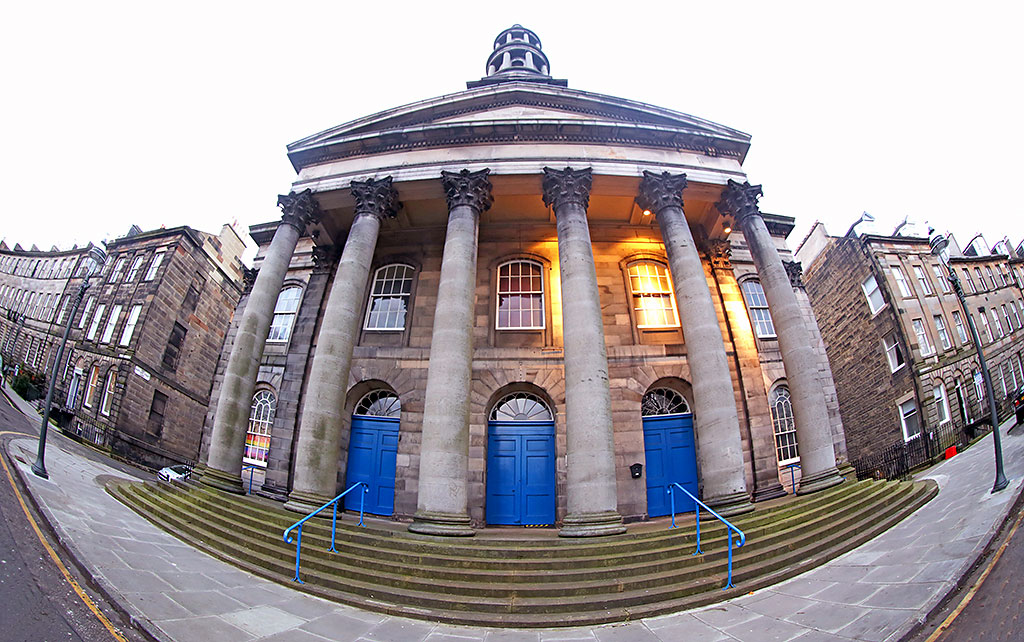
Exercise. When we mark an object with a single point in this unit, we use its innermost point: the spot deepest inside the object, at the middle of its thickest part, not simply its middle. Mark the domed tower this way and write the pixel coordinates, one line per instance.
(517, 56)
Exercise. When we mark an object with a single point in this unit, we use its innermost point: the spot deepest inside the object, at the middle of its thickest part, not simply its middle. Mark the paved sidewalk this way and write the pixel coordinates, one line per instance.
(876, 592)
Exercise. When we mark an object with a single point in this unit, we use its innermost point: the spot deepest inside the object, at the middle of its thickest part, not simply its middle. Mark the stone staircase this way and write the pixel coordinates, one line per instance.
(528, 578)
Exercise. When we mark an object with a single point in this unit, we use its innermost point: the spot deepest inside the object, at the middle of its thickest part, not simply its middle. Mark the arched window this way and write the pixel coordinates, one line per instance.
(653, 302)
(108, 392)
(284, 314)
(379, 403)
(520, 296)
(261, 419)
(90, 390)
(757, 307)
(521, 406)
(663, 401)
(389, 298)
(784, 426)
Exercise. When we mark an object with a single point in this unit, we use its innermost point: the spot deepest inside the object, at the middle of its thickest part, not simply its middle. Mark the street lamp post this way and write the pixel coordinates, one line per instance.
(939, 246)
(95, 259)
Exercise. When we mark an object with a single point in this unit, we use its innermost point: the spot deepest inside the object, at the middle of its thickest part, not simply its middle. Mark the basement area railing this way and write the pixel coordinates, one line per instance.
(742, 540)
(252, 469)
(334, 524)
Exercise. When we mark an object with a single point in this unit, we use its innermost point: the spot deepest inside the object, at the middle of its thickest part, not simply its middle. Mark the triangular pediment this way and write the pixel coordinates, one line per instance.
(517, 111)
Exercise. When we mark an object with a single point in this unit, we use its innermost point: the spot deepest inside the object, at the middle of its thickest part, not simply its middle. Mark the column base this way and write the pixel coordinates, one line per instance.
(592, 524)
(731, 504)
(228, 482)
(305, 503)
(426, 522)
(820, 481)
(770, 491)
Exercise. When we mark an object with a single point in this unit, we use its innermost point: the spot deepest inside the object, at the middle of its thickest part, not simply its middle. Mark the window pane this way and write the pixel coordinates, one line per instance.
(520, 296)
(389, 298)
(757, 306)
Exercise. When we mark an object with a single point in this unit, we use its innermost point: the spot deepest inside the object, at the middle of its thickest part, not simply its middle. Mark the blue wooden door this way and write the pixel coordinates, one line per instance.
(372, 450)
(671, 458)
(521, 472)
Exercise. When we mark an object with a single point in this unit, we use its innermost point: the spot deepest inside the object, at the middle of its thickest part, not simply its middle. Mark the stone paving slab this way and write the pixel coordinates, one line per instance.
(874, 593)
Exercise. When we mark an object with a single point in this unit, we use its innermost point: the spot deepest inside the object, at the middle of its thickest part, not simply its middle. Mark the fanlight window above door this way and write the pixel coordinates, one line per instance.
(379, 403)
(521, 406)
(663, 401)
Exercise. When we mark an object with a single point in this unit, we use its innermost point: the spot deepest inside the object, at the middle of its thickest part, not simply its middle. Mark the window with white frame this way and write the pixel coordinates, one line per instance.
(154, 265)
(901, 281)
(985, 326)
(961, 329)
(965, 406)
(654, 303)
(757, 307)
(922, 338)
(941, 403)
(922, 280)
(1006, 318)
(1018, 311)
(389, 297)
(90, 390)
(909, 419)
(261, 420)
(944, 339)
(284, 314)
(115, 274)
(991, 277)
(784, 426)
(85, 313)
(981, 279)
(91, 334)
(108, 330)
(970, 281)
(108, 392)
(995, 321)
(129, 325)
(1020, 369)
(893, 352)
(873, 294)
(520, 302)
(1009, 374)
(134, 269)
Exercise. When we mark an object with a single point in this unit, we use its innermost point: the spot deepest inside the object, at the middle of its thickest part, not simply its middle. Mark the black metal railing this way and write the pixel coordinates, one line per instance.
(900, 459)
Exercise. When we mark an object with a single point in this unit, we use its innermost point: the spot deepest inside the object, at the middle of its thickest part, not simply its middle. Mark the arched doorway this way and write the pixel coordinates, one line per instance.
(373, 450)
(521, 462)
(670, 450)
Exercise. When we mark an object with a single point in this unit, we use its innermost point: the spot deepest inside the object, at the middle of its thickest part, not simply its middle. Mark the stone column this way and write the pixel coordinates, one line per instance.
(319, 442)
(227, 440)
(813, 433)
(591, 493)
(441, 506)
(718, 426)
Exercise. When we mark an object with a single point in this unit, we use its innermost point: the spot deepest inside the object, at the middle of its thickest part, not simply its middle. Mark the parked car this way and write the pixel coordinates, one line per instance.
(1018, 405)
(178, 472)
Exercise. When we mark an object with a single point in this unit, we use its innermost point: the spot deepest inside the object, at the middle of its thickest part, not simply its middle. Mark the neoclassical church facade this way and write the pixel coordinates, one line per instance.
(524, 304)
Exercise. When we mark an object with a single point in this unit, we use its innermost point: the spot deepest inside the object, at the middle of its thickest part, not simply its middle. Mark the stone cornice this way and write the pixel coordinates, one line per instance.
(658, 191)
(468, 188)
(562, 187)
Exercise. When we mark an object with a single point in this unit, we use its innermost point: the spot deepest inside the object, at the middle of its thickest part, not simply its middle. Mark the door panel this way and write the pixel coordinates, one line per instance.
(671, 456)
(372, 452)
(521, 473)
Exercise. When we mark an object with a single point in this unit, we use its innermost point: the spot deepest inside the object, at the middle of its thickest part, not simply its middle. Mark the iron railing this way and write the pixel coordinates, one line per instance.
(252, 469)
(898, 460)
(334, 524)
(792, 477)
(728, 533)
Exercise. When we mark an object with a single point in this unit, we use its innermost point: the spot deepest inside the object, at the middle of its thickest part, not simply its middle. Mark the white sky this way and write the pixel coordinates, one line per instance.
(179, 113)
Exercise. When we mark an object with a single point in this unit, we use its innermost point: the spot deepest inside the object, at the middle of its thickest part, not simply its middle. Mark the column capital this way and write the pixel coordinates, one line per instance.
(248, 278)
(658, 191)
(324, 258)
(739, 200)
(299, 209)
(567, 186)
(468, 188)
(376, 198)
(720, 254)
(795, 272)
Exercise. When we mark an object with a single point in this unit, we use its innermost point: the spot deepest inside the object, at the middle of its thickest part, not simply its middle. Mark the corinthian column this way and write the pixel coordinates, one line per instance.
(590, 447)
(227, 440)
(441, 507)
(718, 427)
(319, 443)
(814, 437)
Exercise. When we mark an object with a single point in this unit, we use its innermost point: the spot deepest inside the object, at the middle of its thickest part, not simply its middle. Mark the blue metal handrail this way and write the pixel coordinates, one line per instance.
(792, 476)
(252, 469)
(743, 537)
(334, 524)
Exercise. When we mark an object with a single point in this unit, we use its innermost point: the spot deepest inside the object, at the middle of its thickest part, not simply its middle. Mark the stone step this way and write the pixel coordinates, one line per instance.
(521, 593)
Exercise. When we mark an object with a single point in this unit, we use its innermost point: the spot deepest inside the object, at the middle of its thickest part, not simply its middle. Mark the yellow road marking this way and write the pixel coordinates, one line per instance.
(53, 555)
(977, 585)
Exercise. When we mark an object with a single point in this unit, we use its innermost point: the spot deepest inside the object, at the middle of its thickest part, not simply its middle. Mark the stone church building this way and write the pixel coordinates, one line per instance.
(524, 304)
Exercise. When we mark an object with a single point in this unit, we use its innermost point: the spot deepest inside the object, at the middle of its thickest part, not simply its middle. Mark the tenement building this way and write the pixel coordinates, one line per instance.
(897, 338)
(145, 338)
(523, 304)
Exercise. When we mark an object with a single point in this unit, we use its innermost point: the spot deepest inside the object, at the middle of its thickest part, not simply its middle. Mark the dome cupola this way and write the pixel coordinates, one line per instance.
(517, 57)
